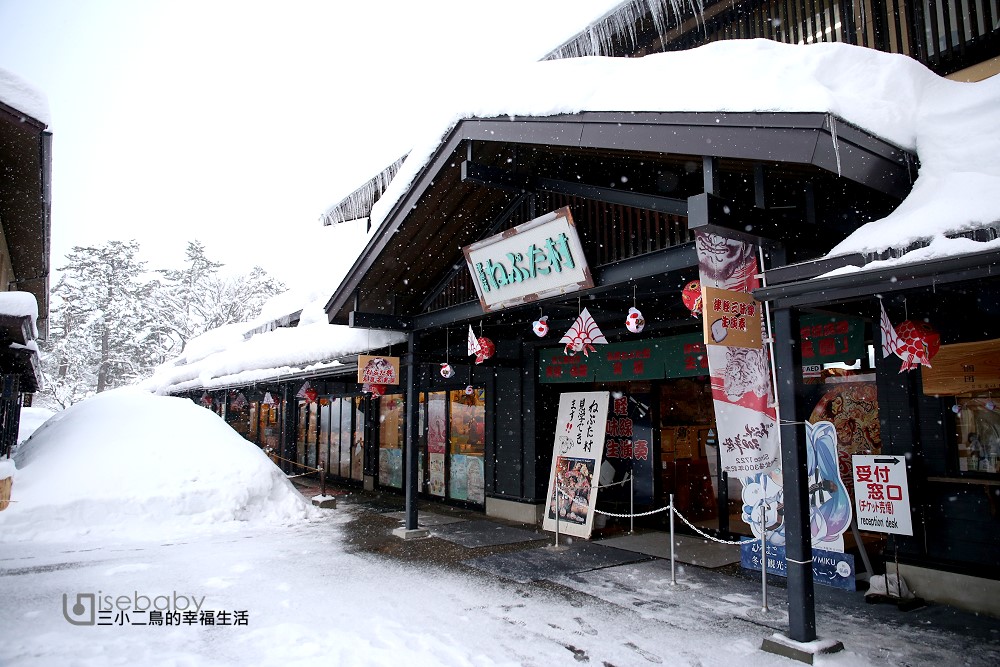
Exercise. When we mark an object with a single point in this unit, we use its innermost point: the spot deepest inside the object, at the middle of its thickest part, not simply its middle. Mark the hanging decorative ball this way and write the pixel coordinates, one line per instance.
(691, 296)
(447, 371)
(956, 408)
(990, 405)
(541, 326)
(311, 395)
(917, 344)
(635, 322)
(469, 390)
(486, 349)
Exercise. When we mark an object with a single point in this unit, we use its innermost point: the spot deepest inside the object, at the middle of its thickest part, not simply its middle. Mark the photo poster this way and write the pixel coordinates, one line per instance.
(628, 449)
(577, 455)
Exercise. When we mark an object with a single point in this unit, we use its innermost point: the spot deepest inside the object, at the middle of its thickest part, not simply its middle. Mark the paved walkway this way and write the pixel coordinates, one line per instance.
(523, 554)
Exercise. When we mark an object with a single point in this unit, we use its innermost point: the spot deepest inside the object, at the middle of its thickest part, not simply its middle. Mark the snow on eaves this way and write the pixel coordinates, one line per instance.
(17, 93)
(272, 355)
(20, 304)
(951, 125)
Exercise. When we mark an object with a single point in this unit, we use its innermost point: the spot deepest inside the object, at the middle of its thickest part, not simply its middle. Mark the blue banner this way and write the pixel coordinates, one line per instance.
(830, 568)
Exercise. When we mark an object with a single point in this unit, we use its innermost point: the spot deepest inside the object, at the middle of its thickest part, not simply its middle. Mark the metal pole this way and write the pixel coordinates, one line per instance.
(673, 572)
(763, 553)
(556, 508)
(631, 504)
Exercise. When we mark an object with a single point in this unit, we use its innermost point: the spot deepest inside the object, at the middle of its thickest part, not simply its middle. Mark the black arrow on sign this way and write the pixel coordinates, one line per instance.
(893, 460)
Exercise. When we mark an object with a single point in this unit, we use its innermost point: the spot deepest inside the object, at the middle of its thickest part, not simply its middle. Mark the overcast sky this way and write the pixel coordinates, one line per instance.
(237, 122)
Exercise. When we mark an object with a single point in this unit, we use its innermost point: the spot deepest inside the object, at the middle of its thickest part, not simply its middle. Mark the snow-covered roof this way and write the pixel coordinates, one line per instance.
(951, 125)
(223, 358)
(17, 93)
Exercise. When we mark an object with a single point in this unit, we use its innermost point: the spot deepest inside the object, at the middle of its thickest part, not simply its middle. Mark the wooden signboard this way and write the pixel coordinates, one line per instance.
(731, 318)
(962, 368)
(378, 369)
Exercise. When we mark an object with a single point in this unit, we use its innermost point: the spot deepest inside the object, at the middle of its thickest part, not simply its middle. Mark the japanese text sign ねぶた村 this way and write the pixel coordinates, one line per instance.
(881, 495)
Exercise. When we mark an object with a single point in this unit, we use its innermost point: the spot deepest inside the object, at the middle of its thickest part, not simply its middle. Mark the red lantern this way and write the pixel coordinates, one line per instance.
(311, 395)
(691, 296)
(486, 349)
(373, 389)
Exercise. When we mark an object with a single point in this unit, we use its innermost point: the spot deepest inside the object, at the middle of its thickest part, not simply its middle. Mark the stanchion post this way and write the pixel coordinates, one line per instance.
(322, 480)
(673, 571)
(631, 504)
(557, 503)
(763, 554)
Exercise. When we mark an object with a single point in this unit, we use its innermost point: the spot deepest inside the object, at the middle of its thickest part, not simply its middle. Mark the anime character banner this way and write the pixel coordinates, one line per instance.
(577, 454)
(830, 511)
(741, 379)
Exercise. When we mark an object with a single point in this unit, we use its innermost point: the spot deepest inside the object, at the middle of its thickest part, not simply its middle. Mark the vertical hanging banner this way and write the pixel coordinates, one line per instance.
(741, 379)
(576, 459)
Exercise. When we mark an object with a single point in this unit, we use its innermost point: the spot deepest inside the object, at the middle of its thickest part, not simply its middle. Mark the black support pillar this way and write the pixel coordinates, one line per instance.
(411, 430)
(798, 542)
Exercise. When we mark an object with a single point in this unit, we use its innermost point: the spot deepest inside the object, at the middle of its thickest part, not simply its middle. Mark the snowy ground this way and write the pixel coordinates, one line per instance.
(310, 602)
(129, 504)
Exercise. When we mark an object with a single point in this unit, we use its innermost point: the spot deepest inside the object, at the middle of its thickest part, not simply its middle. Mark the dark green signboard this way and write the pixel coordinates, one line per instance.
(650, 359)
(829, 338)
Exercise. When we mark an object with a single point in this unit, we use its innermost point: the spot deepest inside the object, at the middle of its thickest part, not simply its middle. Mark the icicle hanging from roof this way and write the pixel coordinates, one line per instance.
(620, 24)
(359, 203)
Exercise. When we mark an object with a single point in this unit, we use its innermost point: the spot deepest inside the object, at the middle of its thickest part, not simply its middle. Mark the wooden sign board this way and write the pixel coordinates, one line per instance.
(962, 368)
(731, 318)
(378, 369)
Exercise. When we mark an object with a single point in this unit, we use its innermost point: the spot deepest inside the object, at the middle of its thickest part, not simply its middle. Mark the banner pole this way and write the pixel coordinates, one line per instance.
(673, 573)
(763, 552)
(631, 504)
(557, 503)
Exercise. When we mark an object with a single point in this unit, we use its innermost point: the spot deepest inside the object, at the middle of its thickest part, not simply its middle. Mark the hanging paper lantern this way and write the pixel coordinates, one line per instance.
(583, 335)
(635, 322)
(486, 350)
(956, 408)
(447, 371)
(691, 296)
(541, 326)
(311, 395)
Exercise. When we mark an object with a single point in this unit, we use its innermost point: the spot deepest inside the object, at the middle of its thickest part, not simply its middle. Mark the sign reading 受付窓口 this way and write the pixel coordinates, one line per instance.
(538, 259)
(881, 496)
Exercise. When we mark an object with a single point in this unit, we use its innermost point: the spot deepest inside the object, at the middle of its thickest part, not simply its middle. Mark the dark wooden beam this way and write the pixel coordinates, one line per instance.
(361, 320)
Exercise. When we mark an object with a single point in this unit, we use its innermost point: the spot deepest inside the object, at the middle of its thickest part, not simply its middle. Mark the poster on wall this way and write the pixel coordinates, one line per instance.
(437, 440)
(741, 379)
(576, 457)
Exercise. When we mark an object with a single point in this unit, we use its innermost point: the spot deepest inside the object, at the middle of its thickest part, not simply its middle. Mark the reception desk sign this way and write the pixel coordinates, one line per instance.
(539, 259)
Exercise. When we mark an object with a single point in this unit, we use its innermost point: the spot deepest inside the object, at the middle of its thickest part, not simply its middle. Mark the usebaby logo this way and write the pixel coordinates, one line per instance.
(86, 607)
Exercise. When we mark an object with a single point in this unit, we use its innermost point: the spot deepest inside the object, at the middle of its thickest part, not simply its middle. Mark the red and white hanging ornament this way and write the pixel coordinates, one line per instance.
(541, 326)
(268, 399)
(447, 371)
(373, 388)
(482, 347)
(206, 400)
(583, 335)
(691, 296)
(915, 343)
(635, 322)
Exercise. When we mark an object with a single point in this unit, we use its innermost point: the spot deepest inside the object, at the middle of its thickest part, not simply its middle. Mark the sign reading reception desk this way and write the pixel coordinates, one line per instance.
(541, 258)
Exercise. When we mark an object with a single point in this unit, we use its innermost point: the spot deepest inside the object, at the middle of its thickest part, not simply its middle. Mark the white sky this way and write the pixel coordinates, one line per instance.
(238, 122)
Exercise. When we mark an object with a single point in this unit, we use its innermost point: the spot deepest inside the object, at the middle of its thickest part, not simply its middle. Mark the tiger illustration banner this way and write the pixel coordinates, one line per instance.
(741, 379)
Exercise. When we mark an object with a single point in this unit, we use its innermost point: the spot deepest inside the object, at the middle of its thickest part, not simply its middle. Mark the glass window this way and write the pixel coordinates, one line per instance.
(324, 434)
(270, 428)
(358, 439)
(467, 444)
(390, 446)
(977, 434)
(437, 441)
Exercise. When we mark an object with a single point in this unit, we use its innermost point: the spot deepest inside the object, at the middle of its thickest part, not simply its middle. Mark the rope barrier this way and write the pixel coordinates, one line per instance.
(641, 514)
(296, 463)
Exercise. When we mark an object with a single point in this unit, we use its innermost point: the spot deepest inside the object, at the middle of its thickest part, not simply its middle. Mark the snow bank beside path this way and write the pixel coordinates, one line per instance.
(142, 466)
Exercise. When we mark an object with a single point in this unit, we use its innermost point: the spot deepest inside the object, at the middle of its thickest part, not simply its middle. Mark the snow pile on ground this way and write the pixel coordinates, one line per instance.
(31, 419)
(144, 466)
